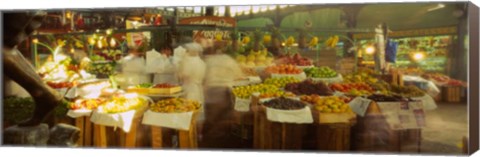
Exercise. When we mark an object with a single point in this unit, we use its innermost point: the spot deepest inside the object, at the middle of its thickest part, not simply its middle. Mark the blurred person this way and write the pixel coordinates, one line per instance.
(133, 68)
(191, 73)
(222, 71)
(164, 68)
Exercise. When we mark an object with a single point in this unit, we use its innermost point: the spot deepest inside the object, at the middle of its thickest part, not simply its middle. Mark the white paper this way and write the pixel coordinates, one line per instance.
(79, 113)
(71, 93)
(242, 105)
(403, 115)
(179, 121)
(336, 79)
(301, 116)
(359, 105)
(122, 120)
(428, 102)
(254, 79)
(302, 76)
(62, 91)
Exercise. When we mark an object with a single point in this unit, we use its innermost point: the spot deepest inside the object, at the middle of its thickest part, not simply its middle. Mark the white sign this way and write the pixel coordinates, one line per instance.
(360, 105)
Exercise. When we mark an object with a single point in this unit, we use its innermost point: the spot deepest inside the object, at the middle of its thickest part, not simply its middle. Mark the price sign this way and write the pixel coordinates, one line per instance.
(360, 105)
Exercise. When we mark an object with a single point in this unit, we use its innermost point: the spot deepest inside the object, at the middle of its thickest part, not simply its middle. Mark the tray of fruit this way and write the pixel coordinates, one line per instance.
(84, 107)
(281, 81)
(296, 59)
(285, 70)
(287, 110)
(353, 89)
(155, 90)
(332, 109)
(308, 87)
(120, 110)
(175, 113)
(407, 91)
(324, 74)
(243, 94)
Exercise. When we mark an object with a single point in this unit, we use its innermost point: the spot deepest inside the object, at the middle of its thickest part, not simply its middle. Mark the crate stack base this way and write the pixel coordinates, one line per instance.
(452, 94)
(272, 135)
(187, 139)
(86, 131)
(105, 137)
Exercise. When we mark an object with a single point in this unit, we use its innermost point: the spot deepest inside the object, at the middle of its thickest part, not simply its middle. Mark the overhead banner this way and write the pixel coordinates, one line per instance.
(210, 20)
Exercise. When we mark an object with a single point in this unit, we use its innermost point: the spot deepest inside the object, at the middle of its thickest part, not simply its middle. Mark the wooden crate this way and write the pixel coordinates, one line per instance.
(86, 131)
(333, 130)
(373, 134)
(186, 139)
(272, 135)
(105, 136)
(452, 94)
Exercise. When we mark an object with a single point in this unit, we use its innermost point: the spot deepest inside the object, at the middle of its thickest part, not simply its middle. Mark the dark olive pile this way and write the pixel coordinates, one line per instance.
(385, 98)
(283, 103)
(308, 87)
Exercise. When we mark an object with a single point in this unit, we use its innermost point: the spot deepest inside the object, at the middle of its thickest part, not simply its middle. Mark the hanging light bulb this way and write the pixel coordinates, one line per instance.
(112, 42)
(99, 44)
(72, 50)
(109, 31)
(35, 40)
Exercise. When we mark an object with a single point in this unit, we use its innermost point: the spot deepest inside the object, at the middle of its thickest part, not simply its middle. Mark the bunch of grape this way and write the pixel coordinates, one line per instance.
(280, 82)
(175, 105)
(283, 103)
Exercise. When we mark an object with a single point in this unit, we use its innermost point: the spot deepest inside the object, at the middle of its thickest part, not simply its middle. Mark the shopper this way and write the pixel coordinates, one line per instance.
(191, 73)
(164, 68)
(222, 71)
(133, 68)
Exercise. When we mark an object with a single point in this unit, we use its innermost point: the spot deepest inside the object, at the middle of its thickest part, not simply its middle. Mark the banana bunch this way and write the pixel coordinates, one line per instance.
(246, 40)
(60, 42)
(313, 42)
(290, 41)
(332, 41)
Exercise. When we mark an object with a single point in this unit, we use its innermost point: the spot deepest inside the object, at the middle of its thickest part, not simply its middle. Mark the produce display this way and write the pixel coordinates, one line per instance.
(260, 58)
(354, 89)
(332, 104)
(88, 104)
(58, 85)
(386, 98)
(101, 68)
(122, 103)
(164, 85)
(360, 77)
(407, 91)
(312, 99)
(175, 105)
(308, 87)
(332, 41)
(283, 103)
(321, 72)
(280, 82)
(437, 77)
(144, 85)
(283, 69)
(265, 90)
(296, 59)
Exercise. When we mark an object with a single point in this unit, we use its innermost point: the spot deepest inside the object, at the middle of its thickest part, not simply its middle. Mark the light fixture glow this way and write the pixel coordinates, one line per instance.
(370, 50)
(35, 40)
(109, 31)
(112, 42)
(418, 56)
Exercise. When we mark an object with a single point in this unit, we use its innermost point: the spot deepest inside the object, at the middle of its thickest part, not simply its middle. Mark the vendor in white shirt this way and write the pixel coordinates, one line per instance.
(162, 66)
(133, 68)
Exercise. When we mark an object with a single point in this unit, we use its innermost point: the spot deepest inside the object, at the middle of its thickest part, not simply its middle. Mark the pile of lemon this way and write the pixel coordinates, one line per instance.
(245, 92)
(332, 104)
(280, 82)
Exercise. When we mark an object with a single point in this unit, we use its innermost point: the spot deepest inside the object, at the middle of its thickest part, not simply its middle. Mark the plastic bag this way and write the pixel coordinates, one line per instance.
(391, 51)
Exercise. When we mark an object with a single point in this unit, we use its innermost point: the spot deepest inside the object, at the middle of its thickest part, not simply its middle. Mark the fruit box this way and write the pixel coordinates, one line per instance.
(327, 118)
(138, 90)
(170, 90)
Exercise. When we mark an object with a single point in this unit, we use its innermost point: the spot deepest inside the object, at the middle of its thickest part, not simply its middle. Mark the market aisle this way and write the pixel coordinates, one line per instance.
(445, 128)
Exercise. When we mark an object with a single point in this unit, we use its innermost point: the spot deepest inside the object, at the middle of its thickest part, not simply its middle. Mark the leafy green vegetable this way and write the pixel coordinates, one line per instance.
(144, 85)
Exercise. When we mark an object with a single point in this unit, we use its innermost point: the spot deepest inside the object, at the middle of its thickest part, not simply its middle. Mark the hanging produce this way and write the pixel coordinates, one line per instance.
(290, 41)
(332, 41)
(313, 43)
